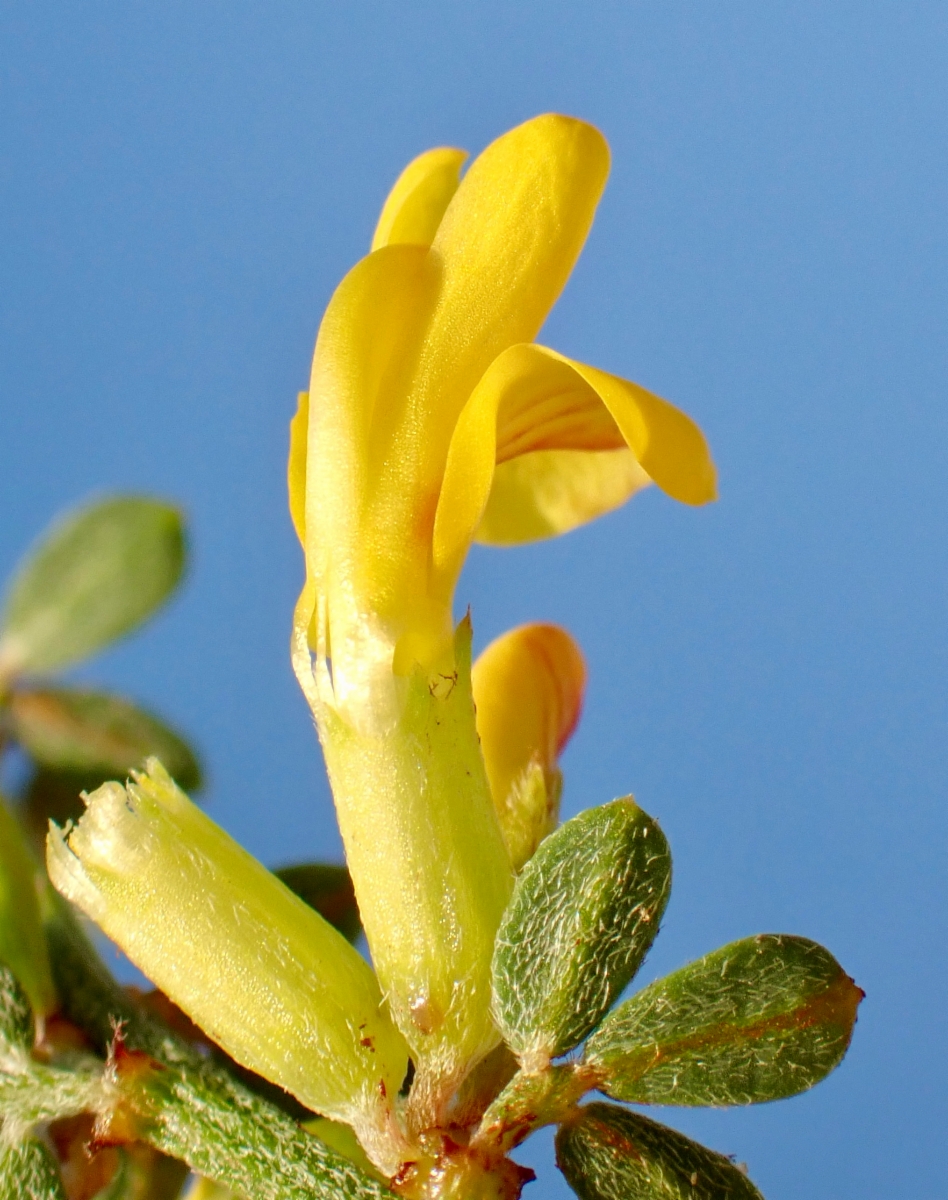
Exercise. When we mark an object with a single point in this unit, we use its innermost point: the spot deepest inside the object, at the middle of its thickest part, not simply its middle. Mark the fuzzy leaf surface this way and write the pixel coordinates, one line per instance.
(16, 1016)
(609, 1153)
(760, 1019)
(97, 574)
(95, 734)
(583, 914)
(326, 887)
(28, 1171)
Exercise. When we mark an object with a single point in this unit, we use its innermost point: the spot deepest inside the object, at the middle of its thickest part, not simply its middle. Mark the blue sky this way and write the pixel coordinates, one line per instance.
(184, 185)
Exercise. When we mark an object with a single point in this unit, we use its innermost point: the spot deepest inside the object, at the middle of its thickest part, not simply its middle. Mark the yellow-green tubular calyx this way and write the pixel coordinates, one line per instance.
(263, 974)
(430, 868)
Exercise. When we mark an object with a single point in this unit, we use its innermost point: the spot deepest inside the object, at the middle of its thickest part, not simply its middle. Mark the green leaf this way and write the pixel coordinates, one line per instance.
(28, 1171)
(16, 1016)
(328, 889)
(760, 1019)
(95, 734)
(22, 940)
(33, 1094)
(582, 917)
(96, 575)
(608, 1153)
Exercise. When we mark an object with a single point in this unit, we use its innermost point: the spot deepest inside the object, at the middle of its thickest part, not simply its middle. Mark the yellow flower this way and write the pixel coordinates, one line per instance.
(432, 419)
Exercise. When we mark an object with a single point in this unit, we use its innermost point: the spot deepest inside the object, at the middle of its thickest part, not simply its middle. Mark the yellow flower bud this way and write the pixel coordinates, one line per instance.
(528, 689)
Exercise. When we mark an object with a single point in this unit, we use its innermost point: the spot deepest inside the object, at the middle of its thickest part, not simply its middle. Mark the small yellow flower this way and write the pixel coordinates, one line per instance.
(432, 418)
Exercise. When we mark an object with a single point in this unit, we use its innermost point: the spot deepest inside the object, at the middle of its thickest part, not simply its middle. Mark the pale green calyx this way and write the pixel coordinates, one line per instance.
(256, 968)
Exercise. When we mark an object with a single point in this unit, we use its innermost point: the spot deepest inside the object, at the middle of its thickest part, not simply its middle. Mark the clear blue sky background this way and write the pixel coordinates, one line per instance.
(184, 185)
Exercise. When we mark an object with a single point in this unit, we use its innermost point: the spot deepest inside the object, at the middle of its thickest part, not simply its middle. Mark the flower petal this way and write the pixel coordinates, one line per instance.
(528, 691)
(508, 242)
(533, 399)
(370, 504)
(296, 466)
(548, 492)
(403, 343)
(415, 205)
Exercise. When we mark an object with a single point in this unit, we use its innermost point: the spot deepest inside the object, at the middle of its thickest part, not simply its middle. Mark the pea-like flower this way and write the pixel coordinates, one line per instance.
(433, 418)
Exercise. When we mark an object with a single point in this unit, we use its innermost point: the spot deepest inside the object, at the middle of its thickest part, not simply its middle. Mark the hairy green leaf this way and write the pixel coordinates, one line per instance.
(96, 575)
(760, 1019)
(608, 1153)
(28, 1171)
(22, 941)
(32, 1093)
(583, 914)
(96, 734)
(328, 889)
(16, 1016)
